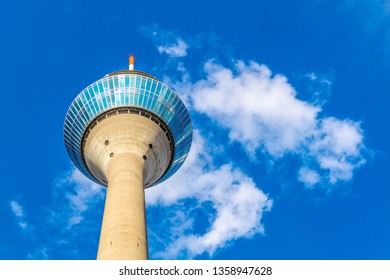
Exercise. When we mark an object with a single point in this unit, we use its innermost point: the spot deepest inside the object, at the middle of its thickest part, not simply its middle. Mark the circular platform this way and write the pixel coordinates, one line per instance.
(128, 92)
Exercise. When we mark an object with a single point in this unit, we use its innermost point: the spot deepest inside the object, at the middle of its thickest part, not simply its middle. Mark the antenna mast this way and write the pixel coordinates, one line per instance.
(131, 62)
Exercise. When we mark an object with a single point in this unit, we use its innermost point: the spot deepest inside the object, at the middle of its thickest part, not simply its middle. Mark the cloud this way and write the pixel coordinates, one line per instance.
(18, 212)
(80, 193)
(16, 209)
(224, 196)
(319, 87)
(178, 49)
(308, 176)
(71, 221)
(166, 42)
(261, 111)
(337, 147)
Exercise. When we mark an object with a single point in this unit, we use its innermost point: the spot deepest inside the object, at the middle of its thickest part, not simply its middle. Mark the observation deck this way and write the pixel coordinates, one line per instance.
(128, 92)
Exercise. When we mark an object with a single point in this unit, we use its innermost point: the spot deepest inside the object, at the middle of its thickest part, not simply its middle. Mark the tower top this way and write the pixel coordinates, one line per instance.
(128, 92)
(131, 62)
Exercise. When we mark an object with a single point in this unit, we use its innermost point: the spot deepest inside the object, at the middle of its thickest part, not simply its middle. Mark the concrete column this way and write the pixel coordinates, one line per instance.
(127, 152)
(123, 234)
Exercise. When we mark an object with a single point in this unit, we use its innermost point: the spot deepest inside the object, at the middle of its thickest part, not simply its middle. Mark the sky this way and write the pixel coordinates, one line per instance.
(289, 103)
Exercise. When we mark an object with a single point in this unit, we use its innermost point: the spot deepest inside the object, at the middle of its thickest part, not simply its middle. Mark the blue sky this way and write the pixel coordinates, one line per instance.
(289, 102)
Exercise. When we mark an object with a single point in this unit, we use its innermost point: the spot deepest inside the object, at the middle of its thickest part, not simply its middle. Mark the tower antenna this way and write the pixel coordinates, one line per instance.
(131, 61)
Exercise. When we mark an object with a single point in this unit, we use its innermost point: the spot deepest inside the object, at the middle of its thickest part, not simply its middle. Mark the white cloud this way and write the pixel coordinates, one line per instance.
(23, 225)
(177, 49)
(337, 147)
(308, 176)
(73, 216)
(312, 76)
(237, 204)
(338, 137)
(319, 87)
(80, 193)
(166, 42)
(262, 112)
(17, 210)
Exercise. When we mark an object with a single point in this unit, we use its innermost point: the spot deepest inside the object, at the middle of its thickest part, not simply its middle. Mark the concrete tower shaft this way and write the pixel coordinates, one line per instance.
(128, 151)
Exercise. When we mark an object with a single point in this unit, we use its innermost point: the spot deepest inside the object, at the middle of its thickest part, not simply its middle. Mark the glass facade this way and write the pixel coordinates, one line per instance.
(128, 90)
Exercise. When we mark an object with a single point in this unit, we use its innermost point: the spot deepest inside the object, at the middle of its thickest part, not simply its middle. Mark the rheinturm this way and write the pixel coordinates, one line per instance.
(127, 131)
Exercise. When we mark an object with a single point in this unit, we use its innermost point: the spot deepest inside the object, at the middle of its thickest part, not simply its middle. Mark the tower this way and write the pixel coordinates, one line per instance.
(127, 131)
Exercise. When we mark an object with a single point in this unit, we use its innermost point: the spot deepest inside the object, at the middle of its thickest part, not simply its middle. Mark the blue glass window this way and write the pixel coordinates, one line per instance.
(100, 87)
(110, 83)
(105, 84)
(153, 89)
(95, 89)
(148, 84)
(121, 82)
(143, 82)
